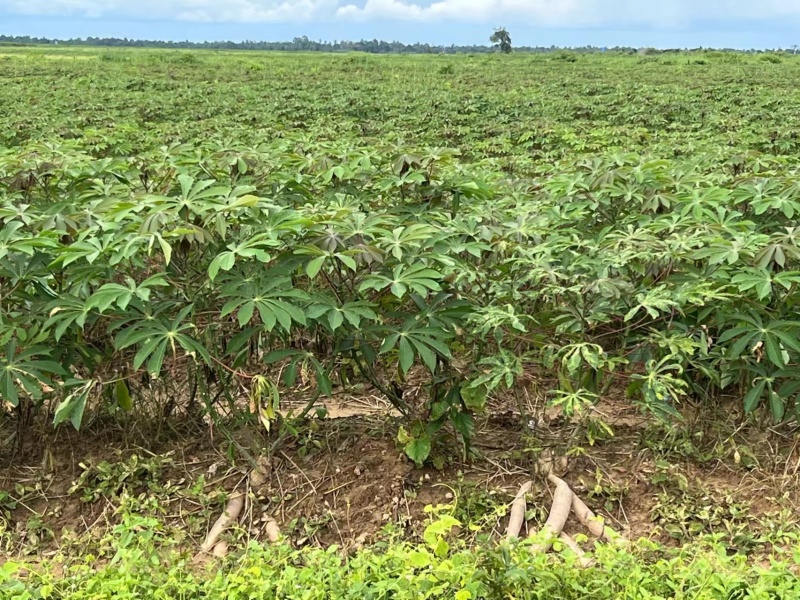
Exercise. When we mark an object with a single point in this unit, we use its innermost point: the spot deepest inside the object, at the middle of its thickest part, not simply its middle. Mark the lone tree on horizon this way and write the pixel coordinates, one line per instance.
(501, 39)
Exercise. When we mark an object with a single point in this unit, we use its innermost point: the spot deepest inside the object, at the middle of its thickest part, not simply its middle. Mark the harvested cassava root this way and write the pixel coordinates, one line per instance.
(564, 502)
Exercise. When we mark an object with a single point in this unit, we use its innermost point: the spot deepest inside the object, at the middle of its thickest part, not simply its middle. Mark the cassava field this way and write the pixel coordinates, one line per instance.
(310, 326)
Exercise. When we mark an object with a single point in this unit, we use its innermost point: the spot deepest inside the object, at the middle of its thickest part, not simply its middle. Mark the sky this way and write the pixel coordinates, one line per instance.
(665, 24)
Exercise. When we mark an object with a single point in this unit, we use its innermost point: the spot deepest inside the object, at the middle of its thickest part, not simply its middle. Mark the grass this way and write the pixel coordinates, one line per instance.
(143, 563)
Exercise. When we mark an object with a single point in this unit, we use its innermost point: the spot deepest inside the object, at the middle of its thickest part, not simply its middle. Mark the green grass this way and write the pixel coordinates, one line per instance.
(143, 563)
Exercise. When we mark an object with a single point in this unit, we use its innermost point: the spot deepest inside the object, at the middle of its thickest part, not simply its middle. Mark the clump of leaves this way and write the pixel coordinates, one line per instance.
(110, 479)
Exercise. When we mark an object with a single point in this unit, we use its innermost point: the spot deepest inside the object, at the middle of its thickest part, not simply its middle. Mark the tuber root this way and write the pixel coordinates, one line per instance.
(559, 512)
(273, 532)
(229, 516)
(594, 523)
(517, 514)
(220, 549)
(573, 545)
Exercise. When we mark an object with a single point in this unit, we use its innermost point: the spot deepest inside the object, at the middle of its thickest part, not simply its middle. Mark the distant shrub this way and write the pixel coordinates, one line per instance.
(771, 58)
(724, 57)
(187, 58)
(115, 57)
(565, 56)
(448, 69)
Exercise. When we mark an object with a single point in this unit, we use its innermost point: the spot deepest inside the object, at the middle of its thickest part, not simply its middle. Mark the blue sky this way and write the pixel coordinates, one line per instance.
(669, 23)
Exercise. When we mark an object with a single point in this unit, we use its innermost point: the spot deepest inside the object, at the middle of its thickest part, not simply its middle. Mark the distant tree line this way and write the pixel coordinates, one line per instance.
(298, 44)
(304, 44)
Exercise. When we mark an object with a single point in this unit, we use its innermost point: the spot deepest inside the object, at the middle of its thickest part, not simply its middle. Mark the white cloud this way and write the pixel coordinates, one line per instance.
(574, 13)
(211, 11)
(543, 13)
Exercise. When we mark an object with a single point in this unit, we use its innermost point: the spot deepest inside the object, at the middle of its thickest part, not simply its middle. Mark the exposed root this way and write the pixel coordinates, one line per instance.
(583, 560)
(592, 522)
(273, 532)
(229, 516)
(564, 502)
(220, 549)
(517, 514)
(559, 512)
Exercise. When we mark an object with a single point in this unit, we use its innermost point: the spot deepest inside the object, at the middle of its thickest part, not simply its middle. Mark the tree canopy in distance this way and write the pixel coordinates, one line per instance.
(502, 40)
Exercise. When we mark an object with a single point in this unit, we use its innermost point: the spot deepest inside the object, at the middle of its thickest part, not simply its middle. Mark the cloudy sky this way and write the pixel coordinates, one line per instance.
(668, 23)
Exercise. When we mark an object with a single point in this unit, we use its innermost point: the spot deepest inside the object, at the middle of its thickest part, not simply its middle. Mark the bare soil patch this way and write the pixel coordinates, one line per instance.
(344, 479)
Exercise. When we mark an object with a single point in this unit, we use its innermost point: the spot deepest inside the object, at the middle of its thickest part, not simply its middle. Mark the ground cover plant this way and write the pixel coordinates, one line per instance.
(227, 241)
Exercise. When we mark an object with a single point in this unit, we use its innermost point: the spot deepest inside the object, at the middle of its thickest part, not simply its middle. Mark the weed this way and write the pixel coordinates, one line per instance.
(110, 479)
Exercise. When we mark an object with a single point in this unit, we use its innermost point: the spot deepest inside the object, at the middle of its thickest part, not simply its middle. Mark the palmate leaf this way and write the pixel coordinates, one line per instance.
(760, 280)
(121, 296)
(415, 340)
(417, 278)
(403, 240)
(73, 405)
(26, 372)
(267, 297)
(778, 338)
(332, 316)
(300, 360)
(156, 336)
(64, 312)
(253, 247)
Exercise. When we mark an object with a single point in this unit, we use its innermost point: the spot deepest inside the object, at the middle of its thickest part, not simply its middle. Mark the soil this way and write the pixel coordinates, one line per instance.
(344, 479)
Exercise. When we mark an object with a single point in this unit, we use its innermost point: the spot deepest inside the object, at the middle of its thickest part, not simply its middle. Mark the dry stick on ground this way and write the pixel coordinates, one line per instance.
(229, 516)
(517, 517)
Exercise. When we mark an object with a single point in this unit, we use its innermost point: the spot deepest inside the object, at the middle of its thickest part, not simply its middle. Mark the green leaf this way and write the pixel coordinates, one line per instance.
(474, 397)
(463, 423)
(406, 354)
(753, 397)
(420, 559)
(774, 352)
(425, 353)
(279, 355)
(418, 450)
(777, 406)
(313, 267)
(224, 261)
(123, 395)
(8, 391)
(245, 314)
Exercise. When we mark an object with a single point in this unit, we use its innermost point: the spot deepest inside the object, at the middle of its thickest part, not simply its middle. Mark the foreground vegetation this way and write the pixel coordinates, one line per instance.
(209, 235)
(144, 564)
